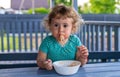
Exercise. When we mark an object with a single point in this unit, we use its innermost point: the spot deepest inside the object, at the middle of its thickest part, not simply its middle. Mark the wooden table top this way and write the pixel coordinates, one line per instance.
(89, 70)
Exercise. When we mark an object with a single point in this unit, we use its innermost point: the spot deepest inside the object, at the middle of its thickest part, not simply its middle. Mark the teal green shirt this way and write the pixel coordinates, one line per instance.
(56, 51)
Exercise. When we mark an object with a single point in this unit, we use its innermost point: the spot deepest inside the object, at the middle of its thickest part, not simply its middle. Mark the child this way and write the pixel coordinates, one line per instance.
(62, 21)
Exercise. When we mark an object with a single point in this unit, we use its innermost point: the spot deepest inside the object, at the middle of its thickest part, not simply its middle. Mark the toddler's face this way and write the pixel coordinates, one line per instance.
(61, 26)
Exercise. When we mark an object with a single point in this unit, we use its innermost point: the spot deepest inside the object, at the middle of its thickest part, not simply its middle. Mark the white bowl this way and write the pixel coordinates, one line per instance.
(66, 67)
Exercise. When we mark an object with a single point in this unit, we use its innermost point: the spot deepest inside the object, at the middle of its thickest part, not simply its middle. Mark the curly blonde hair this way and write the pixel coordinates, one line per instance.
(62, 11)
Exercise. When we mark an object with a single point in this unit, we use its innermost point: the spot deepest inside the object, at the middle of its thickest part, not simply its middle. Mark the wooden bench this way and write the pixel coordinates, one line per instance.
(17, 60)
(104, 56)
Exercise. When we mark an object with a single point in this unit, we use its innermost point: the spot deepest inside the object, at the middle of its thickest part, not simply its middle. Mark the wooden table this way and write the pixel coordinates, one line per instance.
(89, 70)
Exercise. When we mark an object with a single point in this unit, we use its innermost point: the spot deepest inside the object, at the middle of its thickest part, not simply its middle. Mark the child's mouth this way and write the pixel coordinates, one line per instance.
(61, 37)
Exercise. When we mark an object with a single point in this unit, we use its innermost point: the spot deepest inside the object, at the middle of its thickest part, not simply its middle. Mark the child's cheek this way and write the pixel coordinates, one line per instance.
(67, 36)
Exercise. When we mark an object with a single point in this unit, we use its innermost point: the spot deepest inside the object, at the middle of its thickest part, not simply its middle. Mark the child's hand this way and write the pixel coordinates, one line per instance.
(82, 54)
(48, 64)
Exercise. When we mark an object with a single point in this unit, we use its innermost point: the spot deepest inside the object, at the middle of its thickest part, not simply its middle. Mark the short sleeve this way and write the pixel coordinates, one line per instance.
(44, 46)
(79, 43)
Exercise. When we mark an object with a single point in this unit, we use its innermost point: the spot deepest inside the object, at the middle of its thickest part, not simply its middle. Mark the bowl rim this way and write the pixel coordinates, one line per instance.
(67, 60)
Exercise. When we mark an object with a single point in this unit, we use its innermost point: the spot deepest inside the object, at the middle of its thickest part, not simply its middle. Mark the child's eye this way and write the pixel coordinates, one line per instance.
(56, 25)
(65, 25)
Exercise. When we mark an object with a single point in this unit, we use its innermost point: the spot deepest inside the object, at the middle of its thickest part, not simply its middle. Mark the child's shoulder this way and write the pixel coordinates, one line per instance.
(49, 37)
(73, 36)
(75, 39)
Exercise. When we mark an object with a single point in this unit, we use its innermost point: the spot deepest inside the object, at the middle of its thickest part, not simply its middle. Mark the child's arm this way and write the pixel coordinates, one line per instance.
(82, 54)
(43, 62)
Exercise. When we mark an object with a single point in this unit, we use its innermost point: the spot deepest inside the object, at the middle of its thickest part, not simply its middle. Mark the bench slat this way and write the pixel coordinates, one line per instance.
(17, 56)
(104, 55)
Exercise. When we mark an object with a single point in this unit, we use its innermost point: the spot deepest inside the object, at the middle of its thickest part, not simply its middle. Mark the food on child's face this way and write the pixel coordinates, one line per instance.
(61, 37)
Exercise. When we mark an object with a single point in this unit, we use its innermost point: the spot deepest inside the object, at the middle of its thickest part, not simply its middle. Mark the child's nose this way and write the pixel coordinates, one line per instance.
(61, 29)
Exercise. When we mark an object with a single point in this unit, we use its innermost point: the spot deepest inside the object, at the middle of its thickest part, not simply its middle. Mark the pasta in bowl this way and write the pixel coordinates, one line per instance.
(66, 67)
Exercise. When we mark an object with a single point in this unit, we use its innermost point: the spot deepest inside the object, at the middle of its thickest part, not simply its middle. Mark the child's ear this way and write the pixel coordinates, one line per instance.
(73, 29)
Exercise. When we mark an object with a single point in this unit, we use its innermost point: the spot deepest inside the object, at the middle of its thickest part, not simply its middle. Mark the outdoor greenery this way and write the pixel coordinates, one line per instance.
(101, 7)
(40, 10)
(84, 9)
(66, 2)
(10, 42)
(5, 42)
(92, 7)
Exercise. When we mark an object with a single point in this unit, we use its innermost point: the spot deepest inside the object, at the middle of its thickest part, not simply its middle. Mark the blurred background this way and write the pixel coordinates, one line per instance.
(22, 30)
(43, 6)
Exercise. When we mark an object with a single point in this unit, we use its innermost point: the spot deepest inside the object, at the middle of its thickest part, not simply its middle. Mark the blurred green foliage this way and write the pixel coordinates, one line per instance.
(65, 2)
(92, 7)
(40, 10)
(84, 9)
(100, 7)
(103, 6)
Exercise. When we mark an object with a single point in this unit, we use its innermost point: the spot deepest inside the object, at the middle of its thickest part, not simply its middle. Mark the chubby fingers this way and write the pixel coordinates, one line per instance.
(82, 52)
(82, 48)
(48, 64)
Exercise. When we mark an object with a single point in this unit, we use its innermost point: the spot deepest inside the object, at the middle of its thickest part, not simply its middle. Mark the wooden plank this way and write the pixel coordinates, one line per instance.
(36, 24)
(25, 37)
(84, 35)
(109, 38)
(30, 32)
(98, 38)
(104, 55)
(2, 36)
(103, 36)
(93, 38)
(17, 56)
(19, 34)
(13, 33)
(88, 38)
(7, 33)
(17, 65)
(117, 38)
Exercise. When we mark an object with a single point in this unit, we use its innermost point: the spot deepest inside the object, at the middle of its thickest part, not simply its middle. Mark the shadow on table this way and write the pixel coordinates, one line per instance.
(52, 73)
